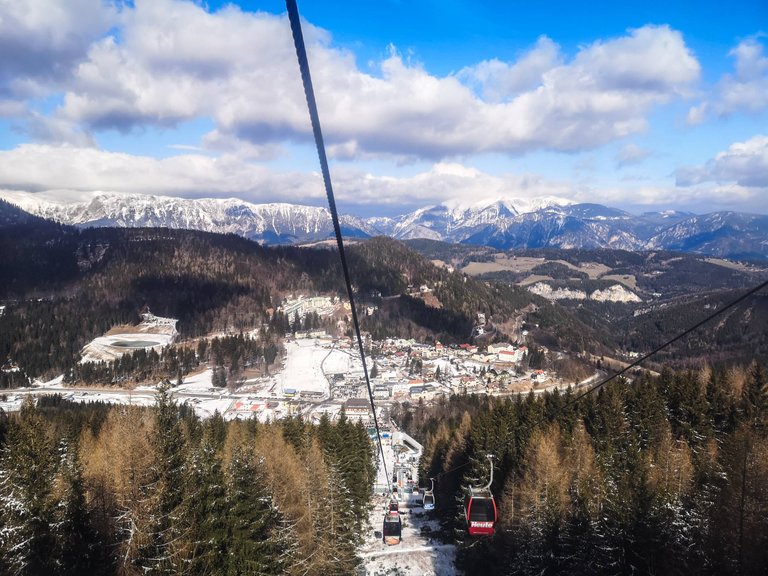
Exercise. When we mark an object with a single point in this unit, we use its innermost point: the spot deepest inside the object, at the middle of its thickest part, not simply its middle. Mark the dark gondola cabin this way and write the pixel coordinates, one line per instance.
(480, 510)
(428, 500)
(392, 528)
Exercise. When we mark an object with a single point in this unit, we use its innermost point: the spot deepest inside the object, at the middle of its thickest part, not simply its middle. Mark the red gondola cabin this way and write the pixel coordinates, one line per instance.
(392, 529)
(481, 513)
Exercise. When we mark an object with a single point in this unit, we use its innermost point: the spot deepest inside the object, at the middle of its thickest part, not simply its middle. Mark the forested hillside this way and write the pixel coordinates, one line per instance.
(63, 287)
(99, 490)
(737, 336)
(676, 291)
(207, 283)
(657, 476)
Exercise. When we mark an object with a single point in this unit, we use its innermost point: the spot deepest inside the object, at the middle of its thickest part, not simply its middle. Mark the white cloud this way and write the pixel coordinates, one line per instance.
(10, 108)
(697, 114)
(40, 41)
(217, 142)
(38, 167)
(744, 90)
(602, 95)
(72, 172)
(631, 154)
(56, 131)
(68, 173)
(175, 61)
(744, 164)
(747, 89)
(497, 81)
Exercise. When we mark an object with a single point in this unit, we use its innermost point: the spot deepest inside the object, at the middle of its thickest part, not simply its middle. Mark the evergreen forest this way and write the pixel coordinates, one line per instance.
(665, 475)
(92, 489)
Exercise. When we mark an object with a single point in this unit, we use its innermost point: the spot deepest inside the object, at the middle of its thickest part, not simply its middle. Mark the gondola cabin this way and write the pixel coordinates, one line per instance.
(392, 528)
(428, 502)
(480, 510)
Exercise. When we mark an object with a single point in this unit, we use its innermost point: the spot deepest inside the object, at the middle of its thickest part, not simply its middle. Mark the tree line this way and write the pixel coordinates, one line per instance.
(101, 490)
(228, 356)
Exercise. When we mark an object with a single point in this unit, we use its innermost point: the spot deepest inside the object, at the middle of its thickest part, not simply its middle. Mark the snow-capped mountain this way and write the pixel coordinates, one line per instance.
(501, 223)
(271, 223)
(549, 223)
(456, 222)
(559, 226)
(721, 233)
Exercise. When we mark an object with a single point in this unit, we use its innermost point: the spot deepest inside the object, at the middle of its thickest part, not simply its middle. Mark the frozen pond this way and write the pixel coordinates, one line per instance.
(135, 343)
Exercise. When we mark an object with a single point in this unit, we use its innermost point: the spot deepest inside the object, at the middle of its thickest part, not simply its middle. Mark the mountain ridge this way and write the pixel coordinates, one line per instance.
(547, 223)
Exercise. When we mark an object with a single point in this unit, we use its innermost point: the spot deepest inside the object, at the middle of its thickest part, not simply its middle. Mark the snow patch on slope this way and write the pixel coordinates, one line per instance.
(615, 293)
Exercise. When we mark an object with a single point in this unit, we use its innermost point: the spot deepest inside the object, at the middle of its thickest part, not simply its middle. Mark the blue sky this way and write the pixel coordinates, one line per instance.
(638, 105)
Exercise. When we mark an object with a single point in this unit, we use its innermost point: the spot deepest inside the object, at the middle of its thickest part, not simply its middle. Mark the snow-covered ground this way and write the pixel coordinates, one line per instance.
(196, 390)
(419, 553)
(152, 332)
(308, 361)
(263, 397)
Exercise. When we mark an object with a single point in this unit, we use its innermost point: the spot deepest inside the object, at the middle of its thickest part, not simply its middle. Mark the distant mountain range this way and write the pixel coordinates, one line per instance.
(503, 224)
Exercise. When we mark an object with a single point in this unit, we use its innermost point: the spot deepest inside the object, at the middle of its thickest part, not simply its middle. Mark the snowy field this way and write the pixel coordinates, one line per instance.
(307, 363)
(263, 398)
(196, 390)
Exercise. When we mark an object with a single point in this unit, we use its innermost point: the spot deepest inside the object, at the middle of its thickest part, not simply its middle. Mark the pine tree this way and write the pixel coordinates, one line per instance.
(580, 538)
(202, 514)
(258, 541)
(755, 401)
(78, 546)
(157, 555)
(353, 458)
(215, 430)
(294, 431)
(27, 471)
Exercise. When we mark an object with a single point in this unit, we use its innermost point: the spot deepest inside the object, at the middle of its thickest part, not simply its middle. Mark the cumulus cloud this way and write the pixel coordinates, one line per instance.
(747, 88)
(10, 108)
(744, 164)
(603, 94)
(39, 167)
(40, 42)
(176, 61)
(56, 131)
(217, 142)
(697, 114)
(497, 81)
(744, 90)
(72, 172)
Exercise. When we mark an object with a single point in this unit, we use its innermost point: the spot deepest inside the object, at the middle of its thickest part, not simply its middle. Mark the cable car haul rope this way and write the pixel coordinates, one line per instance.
(301, 53)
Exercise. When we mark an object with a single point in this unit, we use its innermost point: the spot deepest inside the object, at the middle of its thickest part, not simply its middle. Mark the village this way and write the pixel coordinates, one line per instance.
(400, 370)
(320, 373)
